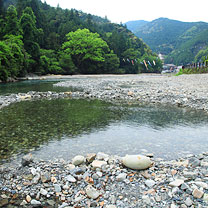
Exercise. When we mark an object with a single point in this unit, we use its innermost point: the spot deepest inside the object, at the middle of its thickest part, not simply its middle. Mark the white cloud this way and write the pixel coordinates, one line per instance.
(123, 11)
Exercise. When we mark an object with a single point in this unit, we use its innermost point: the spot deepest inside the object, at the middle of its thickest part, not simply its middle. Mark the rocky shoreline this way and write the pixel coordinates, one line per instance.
(101, 180)
(183, 91)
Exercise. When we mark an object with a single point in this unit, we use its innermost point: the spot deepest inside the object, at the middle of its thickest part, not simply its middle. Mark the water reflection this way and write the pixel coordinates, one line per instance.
(65, 127)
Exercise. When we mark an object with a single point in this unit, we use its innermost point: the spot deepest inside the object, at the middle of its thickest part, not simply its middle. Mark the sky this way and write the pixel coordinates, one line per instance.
(118, 11)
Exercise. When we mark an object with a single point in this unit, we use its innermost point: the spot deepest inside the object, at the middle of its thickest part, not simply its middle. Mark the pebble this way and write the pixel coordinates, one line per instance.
(110, 184)
(78, 160)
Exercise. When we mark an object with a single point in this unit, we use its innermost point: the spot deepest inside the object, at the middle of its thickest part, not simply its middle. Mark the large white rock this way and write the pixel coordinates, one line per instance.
(137, 162)
(78, 160)
(92, 192)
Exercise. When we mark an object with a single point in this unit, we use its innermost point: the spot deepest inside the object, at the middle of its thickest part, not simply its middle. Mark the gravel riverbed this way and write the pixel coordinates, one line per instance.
(101, 180)
(179, 183)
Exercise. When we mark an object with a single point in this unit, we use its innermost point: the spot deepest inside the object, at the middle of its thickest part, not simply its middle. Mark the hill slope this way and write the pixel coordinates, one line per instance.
(180, 41)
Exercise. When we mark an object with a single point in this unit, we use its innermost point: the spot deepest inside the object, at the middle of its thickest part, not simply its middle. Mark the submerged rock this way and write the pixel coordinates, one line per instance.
(137, 162)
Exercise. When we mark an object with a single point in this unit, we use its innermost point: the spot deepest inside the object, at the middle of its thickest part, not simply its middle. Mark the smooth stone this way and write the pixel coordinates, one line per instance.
(57, 188)
(101, 156)
(71, 179)
(150, 183)
(121, 177)
(197, 193)
(35, 202)
(92, 192)
(188, 202)
(205, 198)
(28, 198)
(137, 162)
(43, 192)
(98, 163)
(176, 183)
(202, 184)
(78, 160)
(36, 178)
(111, 206)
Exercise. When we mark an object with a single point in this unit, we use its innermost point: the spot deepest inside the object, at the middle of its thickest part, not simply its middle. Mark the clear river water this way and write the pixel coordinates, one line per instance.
(63, 128)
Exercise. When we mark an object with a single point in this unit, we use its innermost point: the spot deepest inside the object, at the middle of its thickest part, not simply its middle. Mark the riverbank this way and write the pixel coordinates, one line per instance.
(101, 180)
(184, 91)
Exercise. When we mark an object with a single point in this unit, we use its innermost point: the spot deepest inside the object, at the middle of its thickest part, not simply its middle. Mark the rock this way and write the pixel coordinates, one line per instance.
(205, 198)
(176, 183)
(184, 186)
(36, 178)
(137, 162)
(45, 177)
(98, 163)
(188, 202)
(194, 162)
(202, 184)
(51, 202)
(111, 206)
(77, 171)
(121, 177)
(28, 198)
(70, 167)
(90, 157)
(27, 159)
(78, 160)
(43, 192)
(57, 188)
(71, 179)
(150, 183)
(3, 202)
(92, 192)
(197, 193)
(35, 202)
(53, 179)
(101, 156)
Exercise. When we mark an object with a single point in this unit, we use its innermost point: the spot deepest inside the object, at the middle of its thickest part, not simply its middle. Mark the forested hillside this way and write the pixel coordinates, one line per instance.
(180, 41)
(38, 38)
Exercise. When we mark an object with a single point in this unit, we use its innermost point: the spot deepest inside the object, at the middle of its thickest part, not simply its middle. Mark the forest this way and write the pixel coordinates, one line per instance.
(36, 38)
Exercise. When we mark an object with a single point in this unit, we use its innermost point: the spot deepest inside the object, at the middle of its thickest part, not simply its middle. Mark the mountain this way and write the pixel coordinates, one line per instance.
(179, 41)
(135, 25)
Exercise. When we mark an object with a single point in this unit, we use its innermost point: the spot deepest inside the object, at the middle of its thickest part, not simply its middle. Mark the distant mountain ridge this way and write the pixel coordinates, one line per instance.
(179, 41)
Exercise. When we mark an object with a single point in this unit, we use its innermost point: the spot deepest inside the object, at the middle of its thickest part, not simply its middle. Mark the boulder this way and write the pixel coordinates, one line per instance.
(136, 162)
(78, 160)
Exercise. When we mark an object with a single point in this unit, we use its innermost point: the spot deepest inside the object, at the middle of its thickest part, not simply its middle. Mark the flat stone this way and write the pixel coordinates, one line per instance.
(3, 202)
(71, 179)
(98, 163)
(36, 178)
(197, 193)
(205, 198)
(202, 184)
(149, 183)
(101, 156)
(121, 177)
(111, 206)
(78, 160)
(137, 162)
(43, 192)
(176, 183)
(57, 188)
(188, 202)
(35, 202)
(28, 198)
(92, 192)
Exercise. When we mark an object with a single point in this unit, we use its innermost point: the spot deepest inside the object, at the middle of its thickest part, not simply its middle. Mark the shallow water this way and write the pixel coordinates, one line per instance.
(63, 128)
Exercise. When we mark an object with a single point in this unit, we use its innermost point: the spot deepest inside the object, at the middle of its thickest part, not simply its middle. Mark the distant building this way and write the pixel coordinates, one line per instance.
(161, 57)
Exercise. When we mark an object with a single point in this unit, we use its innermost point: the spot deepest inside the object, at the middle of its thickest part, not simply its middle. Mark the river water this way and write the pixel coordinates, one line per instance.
(63, 128)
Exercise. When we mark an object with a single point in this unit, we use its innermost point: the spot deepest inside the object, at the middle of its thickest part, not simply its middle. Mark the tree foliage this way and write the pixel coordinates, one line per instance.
(53, 40)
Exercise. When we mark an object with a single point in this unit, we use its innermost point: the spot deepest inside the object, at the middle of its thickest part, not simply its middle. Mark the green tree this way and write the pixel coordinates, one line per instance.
(12, 26)
(85, 48)
(11, 56)
(201, 55)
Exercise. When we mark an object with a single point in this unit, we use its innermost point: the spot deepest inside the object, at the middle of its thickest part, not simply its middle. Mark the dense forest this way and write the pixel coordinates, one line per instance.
(39, 39)
(179, 41)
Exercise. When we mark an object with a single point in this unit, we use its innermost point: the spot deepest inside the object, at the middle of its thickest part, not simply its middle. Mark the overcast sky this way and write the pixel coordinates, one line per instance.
(122, 11)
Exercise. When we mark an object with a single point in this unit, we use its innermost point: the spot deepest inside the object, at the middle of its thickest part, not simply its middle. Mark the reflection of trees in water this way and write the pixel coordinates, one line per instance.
(164, 116)
(28, 125)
